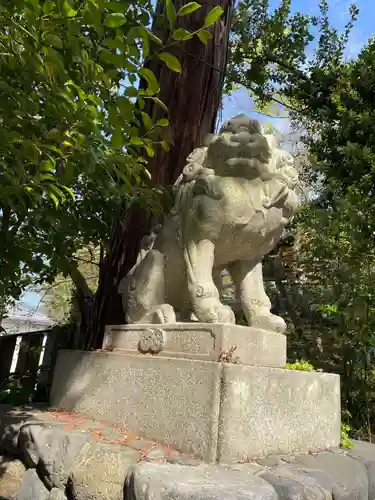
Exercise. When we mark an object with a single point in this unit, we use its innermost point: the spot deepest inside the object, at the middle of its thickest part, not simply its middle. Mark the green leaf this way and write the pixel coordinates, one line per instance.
(48, 7)
(160, 103)
(79, 91)
(69, 191)
(171, 61)
(153, 84)
(146, 121)
(53, 198)
(165, 146)
(54, 58)
(117, 139)
(153, 37)
(95, 99)
(133, 91)
(116, 6)
(204, 36)
(171, 12)
(137, 141)
(189, 8)
(57, 191)
(47, 177)
(53, 148)
(259, 46)
(34, 5)
(163, 122)
(139, 32)
(115, 20)
(47, 166)
(68, 10)
(126, 108)
(181, 34)
(53, 40)
(213, 16)
(150, 150)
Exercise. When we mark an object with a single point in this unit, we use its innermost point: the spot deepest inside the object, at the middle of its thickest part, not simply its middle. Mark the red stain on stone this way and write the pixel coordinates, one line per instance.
(100, 431)
(167, 451)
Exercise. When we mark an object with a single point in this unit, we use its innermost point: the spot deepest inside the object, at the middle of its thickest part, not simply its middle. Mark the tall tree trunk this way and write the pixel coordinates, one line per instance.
(193, 98)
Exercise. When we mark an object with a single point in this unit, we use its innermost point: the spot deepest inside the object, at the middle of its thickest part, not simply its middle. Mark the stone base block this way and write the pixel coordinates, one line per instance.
(219, 412)
(205, 341)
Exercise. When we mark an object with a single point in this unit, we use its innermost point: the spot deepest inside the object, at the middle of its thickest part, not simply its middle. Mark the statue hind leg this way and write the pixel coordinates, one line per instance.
(146, 292)
(248, 278)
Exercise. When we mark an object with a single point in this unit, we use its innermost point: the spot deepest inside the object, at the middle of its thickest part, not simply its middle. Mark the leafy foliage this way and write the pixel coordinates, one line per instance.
(74, 136)
(338, 232)
(271, 54)
(330, 308)
(345, 441)
(344, 149)
(300, 365)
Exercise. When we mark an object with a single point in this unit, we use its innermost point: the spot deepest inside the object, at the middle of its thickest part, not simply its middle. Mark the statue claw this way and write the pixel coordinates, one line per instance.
(269, 322)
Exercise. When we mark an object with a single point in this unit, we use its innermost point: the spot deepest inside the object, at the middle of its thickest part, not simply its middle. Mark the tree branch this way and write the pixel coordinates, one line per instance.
(88, 261)
(272, 98)
(297, 72)
(79, 280)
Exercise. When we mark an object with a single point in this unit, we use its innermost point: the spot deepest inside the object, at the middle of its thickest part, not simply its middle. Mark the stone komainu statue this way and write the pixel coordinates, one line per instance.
(232, 202)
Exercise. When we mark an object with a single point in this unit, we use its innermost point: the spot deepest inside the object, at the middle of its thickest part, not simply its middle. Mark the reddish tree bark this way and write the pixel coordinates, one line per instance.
(193, 98)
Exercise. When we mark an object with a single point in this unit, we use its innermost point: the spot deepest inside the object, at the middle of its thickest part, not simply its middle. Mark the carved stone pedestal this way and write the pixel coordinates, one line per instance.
(193, 391)
(203, 341)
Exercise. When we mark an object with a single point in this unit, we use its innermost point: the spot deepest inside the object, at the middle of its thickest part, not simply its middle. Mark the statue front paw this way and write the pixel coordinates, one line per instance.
(213, 311)
(269, 322)
(159, 315)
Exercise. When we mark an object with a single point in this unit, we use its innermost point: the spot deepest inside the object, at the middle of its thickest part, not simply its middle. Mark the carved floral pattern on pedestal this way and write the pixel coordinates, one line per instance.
(151, 341)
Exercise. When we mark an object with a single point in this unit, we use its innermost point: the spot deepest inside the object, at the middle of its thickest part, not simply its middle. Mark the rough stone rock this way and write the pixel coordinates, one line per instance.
(309, 478)
(100, 470)
(100, 490)
(365, 453)
(9, 440)
(31, 487)
(191, 461)
(140, 444)
(174, 457)
(56, 494)
(205, 482)
(12, 417)
(11, 472)
(249, 467)
(28, 443)
(155, 454)
(337, 451)
(348, 474)
(297, 487)
(269, 461)
(53, 451)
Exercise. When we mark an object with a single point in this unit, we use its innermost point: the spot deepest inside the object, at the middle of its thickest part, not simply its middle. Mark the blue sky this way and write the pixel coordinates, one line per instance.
(240, 101)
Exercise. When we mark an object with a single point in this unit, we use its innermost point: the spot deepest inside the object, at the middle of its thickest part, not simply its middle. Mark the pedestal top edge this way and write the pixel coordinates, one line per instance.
(188, 326)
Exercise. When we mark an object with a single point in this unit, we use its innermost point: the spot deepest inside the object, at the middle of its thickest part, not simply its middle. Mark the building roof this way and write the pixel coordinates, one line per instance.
(22, 320)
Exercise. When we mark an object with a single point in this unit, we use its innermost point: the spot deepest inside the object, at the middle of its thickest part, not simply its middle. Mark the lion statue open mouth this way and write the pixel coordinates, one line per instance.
(232, 202)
